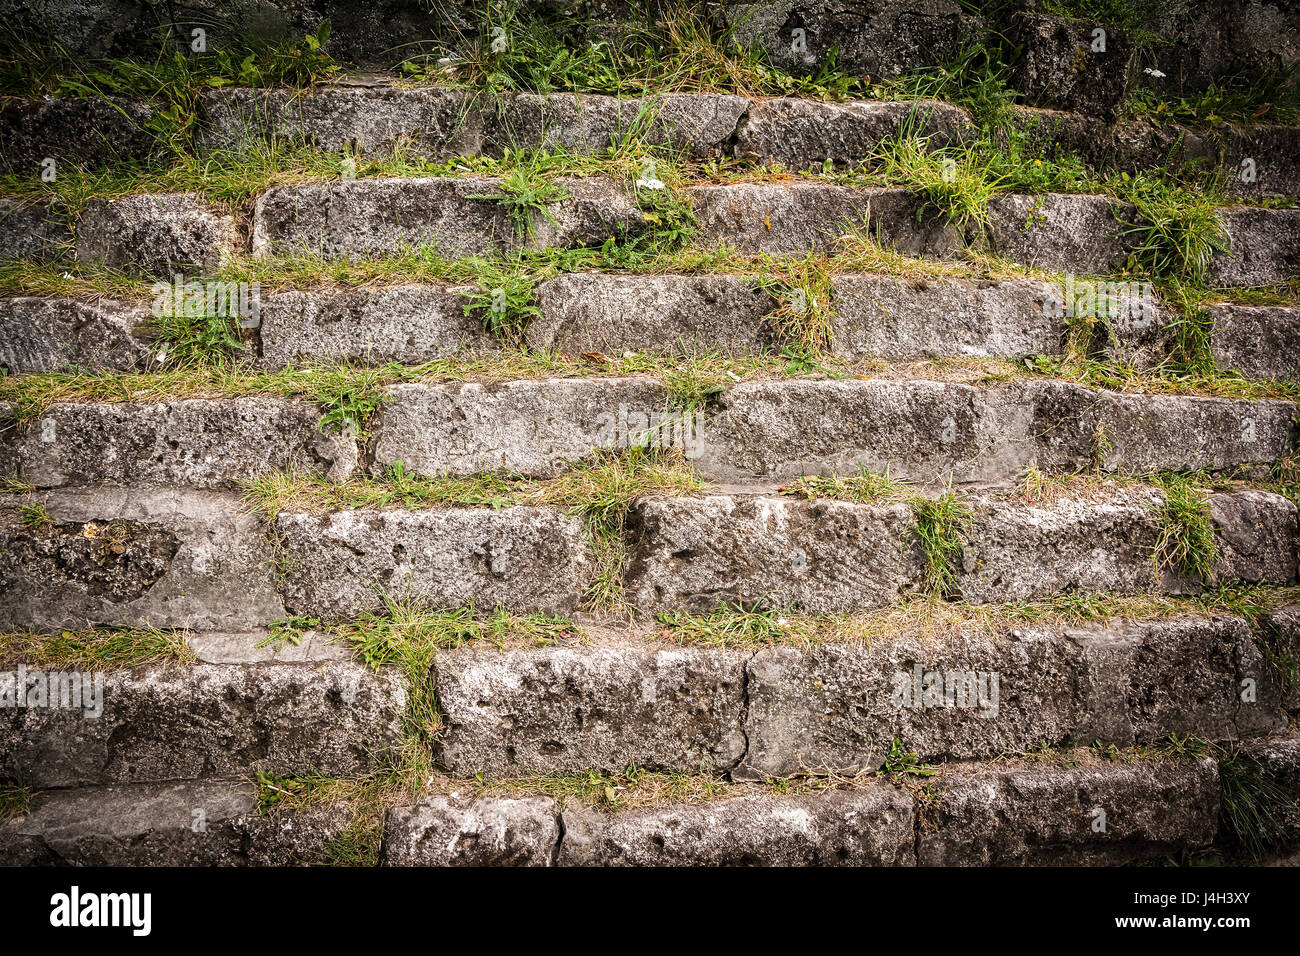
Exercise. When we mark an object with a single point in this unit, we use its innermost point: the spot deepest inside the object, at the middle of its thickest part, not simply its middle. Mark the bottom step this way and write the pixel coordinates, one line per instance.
(1066, 807)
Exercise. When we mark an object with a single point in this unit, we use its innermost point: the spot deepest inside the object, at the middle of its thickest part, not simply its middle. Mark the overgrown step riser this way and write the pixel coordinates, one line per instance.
(198, 559)
(871, 315)
(757, 432)
(783, 710)
(1012, 812)
(173, 722)
(163, 234)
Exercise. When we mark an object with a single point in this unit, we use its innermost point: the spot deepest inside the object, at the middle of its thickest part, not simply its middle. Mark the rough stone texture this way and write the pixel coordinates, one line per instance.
(52, 335)
(137, 557)
(1275, 152)
(159, 234)
(462, 831)
(153, 825)
(823, 557)
(197, 442)
(798, 133)
(699, 124)
(880, 38)
(181, 721)
(1280, 760)
(1059, 68)
(431, 123)
(30, 230)
(1265, 248)
(1259, 341)
(796, 217)
(252, 647)
(903, 319)
(871, 826)
(409, 324)
(531, 427)
(1057, 232)
(1105, 544)
(613, 314)
(565, 710)
(1039, 813)
(359, 218)
(1282, 628)
(344, 563)
(72, 132)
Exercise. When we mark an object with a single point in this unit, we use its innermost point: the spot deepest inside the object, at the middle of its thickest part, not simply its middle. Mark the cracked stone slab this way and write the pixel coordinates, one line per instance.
(1264, 248)
(457, 216)
(1259, 341)
(78, 132)
(823, 557)
(903, 319)
(798, 133)
(259, 647)
(160, 234)
(869, 826)
(447, 830)
(31, 230)
(431, 123)
(197, 442)
(183, 721)
(56, 334)
(153, 824)
(1040, 813)
(970, 695)
(1057, 232)
(345, 563)
(533, 427)
(1104, 543)
(613, 314)
(561, 710)
(137, 557)
(408, 324)
(799, 217)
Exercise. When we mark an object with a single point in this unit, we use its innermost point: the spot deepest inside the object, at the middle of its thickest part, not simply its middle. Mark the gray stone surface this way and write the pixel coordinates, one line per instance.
(870, 826)
(153, 824)
(1282, 630)
(197, 442)
(259, 647)
(369, 217)
(344, 563)
(1265, 248)
(1105, 542)
(613, 314)
(444, 830)
(30, 230)
(1259, 341)
(823, 557)
(1279, 759)
(118, 556)
(430, 123)
(904, 319)
(1060, 66)
(74, 132)
(53, 335)
(409, 324)
(796, 217)
(182, 721)
(534, 427)
(1058, 232)
(1040, 813)
(839, 707)
(161, 234)
(798, 133)
(559, 710)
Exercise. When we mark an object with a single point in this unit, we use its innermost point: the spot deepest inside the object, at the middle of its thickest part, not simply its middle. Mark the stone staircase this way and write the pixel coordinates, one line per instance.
(592, 479)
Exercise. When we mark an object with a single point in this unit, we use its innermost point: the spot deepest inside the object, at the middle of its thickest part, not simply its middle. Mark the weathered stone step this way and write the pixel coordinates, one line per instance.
(1074, 808)
(774, 431)
(184, 721)
(784, 709)
(871, 315)
(759, 431)
(826, 557)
